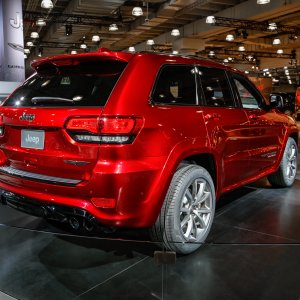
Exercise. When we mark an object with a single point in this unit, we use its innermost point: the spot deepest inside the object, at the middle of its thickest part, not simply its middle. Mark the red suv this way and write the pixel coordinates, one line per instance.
(138, 140)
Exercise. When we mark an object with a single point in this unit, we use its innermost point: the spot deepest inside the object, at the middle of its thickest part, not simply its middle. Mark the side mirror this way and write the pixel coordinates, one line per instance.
(276, 101)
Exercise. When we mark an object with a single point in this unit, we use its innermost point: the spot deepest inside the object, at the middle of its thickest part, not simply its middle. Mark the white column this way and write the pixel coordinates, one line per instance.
(11, 41)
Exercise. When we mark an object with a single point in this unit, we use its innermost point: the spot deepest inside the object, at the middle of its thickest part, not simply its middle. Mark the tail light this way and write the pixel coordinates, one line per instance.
(104, 130)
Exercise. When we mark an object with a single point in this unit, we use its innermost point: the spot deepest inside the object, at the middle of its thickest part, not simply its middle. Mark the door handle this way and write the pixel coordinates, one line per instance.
(213, 116)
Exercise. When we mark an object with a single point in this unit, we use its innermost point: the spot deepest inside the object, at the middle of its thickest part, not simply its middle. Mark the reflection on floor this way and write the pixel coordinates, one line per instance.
(253, 252)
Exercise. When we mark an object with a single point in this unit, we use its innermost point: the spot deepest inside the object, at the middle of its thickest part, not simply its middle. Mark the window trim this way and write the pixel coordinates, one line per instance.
(154, 103)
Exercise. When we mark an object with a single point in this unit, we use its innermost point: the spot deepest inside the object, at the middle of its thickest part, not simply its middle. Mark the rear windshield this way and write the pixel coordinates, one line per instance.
(86, 83)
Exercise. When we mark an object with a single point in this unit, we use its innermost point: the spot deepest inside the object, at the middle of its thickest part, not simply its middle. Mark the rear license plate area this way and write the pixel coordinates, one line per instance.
(34, 139)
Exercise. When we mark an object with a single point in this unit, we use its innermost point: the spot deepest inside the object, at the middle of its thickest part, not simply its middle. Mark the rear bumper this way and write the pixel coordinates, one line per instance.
(137, 188)
(51, 211)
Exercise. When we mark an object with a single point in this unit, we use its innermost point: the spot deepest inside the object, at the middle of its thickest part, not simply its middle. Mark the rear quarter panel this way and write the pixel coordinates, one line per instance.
(170, 133)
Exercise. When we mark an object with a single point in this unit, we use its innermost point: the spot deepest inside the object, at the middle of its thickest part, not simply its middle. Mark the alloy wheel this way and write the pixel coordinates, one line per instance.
(291, 168)
(196, 210)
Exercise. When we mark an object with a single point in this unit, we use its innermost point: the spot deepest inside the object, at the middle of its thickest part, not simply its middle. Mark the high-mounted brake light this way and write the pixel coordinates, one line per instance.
(106, 130)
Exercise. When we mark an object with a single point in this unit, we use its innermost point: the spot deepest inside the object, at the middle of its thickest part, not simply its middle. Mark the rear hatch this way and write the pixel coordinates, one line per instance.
(65, 90)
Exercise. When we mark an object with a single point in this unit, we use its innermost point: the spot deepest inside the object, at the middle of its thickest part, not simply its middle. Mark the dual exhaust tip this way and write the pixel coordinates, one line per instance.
(80, 223)
(78, 219)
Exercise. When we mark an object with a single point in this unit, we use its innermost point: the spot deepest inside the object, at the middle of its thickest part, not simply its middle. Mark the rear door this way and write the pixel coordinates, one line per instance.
(225, 123)
(36, 140)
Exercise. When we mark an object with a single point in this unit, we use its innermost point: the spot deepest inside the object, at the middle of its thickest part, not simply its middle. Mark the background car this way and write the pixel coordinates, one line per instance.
(285, 102)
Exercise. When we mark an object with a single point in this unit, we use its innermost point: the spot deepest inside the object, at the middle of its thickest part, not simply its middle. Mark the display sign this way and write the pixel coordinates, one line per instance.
(11, 37)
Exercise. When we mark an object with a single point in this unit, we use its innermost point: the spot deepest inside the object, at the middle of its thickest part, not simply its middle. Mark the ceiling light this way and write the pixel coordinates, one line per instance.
(150, 42)
(73, 52)
(211, 53)
(83, 45)
(272, 26)
(96, 38)
(246, 72)
(113, 27)
(229, 37)
(263, 1)
(26, 51)
(230, 58)
(290, 81)
(280, 51)
(34, 35)
(241, 48)
(40, 22)
(276, 41)
(137, 11)
(210, 20)
(29, 44)
(47, 4)
(225, 60)
(175, 32)
(175, 52)
(131, 49)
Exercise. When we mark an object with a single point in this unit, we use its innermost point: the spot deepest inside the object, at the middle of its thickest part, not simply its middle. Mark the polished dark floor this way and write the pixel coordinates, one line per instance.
(253, 252)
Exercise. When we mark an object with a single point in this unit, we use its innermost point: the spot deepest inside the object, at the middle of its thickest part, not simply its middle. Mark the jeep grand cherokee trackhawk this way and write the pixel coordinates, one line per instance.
(138, 140)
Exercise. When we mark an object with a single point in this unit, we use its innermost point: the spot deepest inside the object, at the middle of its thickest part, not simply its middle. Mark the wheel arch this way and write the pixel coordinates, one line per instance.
(205, 160)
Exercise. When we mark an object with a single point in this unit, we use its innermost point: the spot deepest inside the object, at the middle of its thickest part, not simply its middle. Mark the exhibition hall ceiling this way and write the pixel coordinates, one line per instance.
(241, 32)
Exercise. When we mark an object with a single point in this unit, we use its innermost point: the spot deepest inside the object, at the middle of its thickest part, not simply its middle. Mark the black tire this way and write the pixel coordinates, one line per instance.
(287, 171)
(190, 202)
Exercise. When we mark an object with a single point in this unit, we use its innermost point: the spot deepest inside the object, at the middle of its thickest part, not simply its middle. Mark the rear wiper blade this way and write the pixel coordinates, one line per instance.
(54, 99)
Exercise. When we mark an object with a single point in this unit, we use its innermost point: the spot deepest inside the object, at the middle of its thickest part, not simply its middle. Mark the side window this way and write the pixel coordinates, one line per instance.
(176, 85)
(249, 96)
(216, 87)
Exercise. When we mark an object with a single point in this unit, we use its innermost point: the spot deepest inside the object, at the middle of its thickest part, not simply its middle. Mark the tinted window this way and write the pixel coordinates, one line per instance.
(2, 99)
(215, 87)
(176, 85)
(82, 84)
(249, 96)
